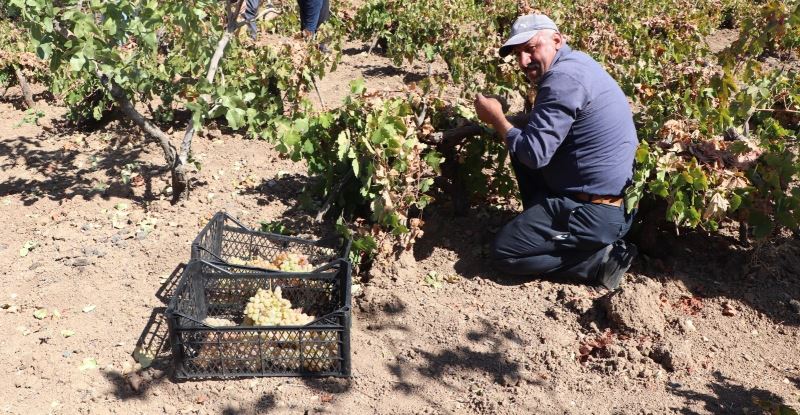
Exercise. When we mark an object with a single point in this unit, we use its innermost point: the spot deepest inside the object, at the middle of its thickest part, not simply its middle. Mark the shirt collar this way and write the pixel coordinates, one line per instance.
(564, 51)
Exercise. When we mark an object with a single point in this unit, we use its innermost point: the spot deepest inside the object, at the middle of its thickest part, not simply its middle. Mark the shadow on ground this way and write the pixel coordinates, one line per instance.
(390, 71)
(482, 353)
(153, 339)
(728, 397)
(18, 102)
(60, 174)
(300, 219)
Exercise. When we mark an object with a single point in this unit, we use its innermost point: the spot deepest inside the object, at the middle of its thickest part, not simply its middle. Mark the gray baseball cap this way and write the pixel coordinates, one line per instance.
(524, 28)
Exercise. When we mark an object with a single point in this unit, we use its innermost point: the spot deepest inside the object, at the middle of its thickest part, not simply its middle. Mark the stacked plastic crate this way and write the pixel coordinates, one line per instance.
(209, 332)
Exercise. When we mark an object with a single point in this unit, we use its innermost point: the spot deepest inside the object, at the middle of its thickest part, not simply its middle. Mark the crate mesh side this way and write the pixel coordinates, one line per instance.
(244, 353)
(211, 291)
(210, 238)
(190, 299)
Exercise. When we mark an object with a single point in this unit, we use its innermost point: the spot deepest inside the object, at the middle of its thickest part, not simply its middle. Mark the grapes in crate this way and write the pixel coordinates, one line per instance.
(269, 308)
(283, 261)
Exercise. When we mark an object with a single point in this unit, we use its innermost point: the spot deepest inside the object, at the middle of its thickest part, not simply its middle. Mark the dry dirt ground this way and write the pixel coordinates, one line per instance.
(710, 328)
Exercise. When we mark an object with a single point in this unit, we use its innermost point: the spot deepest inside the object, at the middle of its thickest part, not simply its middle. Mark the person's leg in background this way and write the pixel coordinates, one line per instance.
(250, 13)
(309, 16)
(324, 13)
(313, 13)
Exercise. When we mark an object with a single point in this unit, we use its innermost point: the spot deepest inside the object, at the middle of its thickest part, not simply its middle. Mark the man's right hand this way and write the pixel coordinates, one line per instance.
(490, 111)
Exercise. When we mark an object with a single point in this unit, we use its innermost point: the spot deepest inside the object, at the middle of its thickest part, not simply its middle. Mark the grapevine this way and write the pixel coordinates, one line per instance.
(717, 129)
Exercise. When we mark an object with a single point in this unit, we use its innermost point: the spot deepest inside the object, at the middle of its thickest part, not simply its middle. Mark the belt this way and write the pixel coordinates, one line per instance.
(603, 200)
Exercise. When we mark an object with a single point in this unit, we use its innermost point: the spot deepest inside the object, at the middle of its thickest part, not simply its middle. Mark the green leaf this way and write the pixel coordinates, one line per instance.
(97, 113)
(632, 201)
(762, 225)
(342, 145)
(355, 166)
(301, 125)
(735, 201)
(44, 50)
(67, 333)
(325, 120)
(675, 212)
(699, 180)
(466, 112)
(426, 185)
(433, 280)
(150, 40)
(235, 118)
(308, 147)
(366, 245)
(216, 111)
(357, 86)
(143, 356)
(76, 62)
(429, 52)
(434, 159)
(692, 216)
(290, 138)
(659, 188)
(40, 314)
(110, 25)
(275, 227)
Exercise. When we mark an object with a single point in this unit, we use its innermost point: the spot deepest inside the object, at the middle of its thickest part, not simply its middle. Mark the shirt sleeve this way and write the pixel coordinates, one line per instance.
(558, 102)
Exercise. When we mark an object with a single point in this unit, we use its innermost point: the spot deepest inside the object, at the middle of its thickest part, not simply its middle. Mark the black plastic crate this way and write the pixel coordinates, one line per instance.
(320, 348)
(224, 239)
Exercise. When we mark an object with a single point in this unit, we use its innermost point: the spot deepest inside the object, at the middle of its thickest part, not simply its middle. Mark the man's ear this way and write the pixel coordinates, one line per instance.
(558, 40)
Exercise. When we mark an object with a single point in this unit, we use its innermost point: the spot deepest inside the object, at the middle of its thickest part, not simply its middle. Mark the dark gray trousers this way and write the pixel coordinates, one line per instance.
(556, 235)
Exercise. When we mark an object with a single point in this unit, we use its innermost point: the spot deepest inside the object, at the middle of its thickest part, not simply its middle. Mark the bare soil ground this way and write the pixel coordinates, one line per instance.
(710, 328)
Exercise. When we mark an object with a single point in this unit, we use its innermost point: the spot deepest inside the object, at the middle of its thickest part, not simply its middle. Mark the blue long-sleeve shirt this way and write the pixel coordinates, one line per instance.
(580, 132)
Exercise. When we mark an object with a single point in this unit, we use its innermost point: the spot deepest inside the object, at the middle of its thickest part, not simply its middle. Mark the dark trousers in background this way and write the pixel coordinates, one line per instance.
(313, 13)
(555, 235)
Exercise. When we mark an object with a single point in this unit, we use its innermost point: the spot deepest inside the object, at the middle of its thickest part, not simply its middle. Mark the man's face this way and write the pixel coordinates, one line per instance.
(535, 56)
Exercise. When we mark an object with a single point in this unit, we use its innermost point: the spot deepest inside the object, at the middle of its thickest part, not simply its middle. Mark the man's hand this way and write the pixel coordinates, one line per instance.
(490, 111)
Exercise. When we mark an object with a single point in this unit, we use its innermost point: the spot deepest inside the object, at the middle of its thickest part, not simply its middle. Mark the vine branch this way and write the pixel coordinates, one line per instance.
(130, 111)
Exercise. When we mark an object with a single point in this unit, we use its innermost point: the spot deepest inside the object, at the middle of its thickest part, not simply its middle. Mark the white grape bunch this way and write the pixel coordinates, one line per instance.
(283, 261)
(218, 322)
(291, 262)
(269, 308)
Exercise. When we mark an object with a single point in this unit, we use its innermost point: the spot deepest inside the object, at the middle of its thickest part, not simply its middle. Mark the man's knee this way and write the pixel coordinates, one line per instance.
(510, 242)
